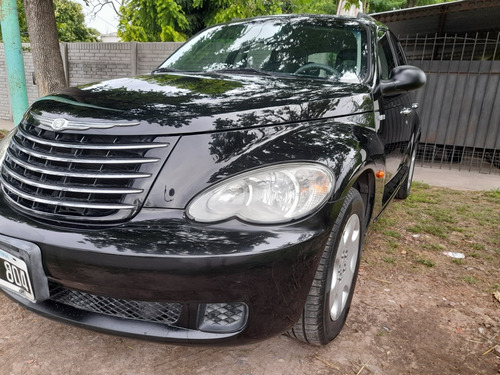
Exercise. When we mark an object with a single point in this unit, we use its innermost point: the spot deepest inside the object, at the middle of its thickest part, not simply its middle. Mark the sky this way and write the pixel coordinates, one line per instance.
(105, 21)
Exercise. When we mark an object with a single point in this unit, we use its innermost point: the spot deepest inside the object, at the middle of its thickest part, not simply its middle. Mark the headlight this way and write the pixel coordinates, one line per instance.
(4, 145)
(268, 195)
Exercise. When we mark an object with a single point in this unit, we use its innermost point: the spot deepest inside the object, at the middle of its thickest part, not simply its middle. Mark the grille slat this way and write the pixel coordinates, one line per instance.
(75, 159)
(62, 203)
(63, 173)
(78, 146)
(65, 188)
(79, 178)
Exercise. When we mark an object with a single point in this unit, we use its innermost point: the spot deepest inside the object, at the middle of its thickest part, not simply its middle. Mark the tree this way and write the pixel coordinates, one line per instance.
(387, 5)
(44, 23)
(49, 71)
(152, 21)
(176, 20)
(309, 6)
(97, 5)
(70, 22)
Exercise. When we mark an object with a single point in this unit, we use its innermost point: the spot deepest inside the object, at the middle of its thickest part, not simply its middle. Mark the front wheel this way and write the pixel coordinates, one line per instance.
(329, 299)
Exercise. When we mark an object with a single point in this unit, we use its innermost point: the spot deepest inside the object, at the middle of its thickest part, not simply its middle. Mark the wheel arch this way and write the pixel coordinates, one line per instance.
(365, 185)
(363, 179)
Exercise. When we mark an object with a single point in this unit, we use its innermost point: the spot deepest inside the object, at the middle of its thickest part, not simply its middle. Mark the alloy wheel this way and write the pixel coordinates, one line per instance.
(344, 266)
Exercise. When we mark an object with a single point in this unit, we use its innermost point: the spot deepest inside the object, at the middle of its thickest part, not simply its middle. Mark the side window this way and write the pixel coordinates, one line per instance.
(400, 54)
(386, 58)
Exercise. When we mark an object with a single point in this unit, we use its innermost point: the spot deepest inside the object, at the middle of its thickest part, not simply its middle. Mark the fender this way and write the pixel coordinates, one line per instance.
(345, 148)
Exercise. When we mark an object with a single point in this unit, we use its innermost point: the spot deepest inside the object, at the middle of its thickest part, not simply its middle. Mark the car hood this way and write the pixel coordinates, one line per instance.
(180, 103)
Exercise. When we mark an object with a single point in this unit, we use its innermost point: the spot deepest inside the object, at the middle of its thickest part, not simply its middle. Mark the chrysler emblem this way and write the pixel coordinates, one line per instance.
(59, 124)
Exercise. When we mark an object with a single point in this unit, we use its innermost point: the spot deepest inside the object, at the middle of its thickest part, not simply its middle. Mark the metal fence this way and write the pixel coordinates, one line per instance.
(460, 105)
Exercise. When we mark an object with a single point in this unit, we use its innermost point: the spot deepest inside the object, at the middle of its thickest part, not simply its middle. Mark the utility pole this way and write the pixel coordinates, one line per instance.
(14, 58)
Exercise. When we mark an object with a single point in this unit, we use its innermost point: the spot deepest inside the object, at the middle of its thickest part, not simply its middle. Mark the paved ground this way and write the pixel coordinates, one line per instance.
(457, 180)
(454, 179)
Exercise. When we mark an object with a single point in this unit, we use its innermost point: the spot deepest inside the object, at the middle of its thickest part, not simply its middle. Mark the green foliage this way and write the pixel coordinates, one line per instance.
(71, 23)
(169, 20)
(144, 21)
(309, 6)
(242, 9)
(375, 6)
(22, 23)
(152, 21)
(177, 20)
(69, 19)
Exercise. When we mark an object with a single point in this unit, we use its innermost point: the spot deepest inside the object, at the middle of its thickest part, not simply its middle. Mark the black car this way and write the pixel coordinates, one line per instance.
(222, 199)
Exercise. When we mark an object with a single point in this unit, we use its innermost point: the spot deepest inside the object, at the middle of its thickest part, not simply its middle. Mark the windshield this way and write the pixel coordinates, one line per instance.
(314, 47)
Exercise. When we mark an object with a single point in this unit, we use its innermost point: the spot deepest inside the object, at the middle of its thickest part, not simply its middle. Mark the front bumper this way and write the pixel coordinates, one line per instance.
(159, 257)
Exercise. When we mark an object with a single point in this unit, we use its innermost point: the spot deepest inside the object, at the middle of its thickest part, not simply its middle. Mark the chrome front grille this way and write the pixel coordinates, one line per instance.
(77, 177)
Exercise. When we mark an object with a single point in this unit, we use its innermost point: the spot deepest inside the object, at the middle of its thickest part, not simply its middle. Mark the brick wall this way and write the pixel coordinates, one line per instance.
(90, 62)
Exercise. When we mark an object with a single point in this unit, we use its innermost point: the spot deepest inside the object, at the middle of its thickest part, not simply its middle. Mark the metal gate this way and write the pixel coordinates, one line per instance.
(460, 105)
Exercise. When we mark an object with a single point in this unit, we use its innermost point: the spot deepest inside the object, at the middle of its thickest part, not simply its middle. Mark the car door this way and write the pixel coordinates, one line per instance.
(396, 116)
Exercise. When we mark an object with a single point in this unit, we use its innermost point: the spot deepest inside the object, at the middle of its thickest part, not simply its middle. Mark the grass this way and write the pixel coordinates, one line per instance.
(417, 231)
(470, 279)
(426, 262)
(390, 260)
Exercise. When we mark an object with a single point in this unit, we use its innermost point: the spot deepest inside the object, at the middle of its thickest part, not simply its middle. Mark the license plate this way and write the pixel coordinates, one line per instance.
(14, 275)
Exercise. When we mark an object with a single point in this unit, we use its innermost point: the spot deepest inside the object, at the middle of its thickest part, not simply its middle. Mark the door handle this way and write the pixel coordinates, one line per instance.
(406, 111)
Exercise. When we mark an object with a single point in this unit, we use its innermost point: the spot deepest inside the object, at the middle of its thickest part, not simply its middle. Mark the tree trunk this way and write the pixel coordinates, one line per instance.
(42, 29)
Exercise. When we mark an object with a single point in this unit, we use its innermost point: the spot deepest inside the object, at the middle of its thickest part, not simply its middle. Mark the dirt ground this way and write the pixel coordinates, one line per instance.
(415, 311)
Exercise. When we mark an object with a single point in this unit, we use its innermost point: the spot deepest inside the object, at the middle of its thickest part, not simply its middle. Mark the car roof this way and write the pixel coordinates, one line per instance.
(362, 18)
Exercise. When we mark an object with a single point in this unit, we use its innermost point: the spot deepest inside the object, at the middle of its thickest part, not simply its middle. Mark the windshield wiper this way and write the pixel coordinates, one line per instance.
(243, 71)
(165, 70)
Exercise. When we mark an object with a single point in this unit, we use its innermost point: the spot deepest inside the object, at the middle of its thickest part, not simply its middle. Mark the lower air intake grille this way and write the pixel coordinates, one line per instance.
(223, 317)
(155, 312)
(224, 314)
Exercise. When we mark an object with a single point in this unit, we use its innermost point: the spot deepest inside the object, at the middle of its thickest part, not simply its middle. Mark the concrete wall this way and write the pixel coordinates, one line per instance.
(90, 62)
(5, 110)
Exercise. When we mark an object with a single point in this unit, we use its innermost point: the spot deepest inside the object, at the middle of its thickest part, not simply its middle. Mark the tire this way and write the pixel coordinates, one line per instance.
(404, 190)
(329, 299)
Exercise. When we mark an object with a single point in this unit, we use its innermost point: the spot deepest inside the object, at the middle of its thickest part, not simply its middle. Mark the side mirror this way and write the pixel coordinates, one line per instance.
(403, 78)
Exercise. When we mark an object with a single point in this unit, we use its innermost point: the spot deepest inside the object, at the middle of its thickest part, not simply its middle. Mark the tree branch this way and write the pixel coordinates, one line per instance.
(97, 5)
